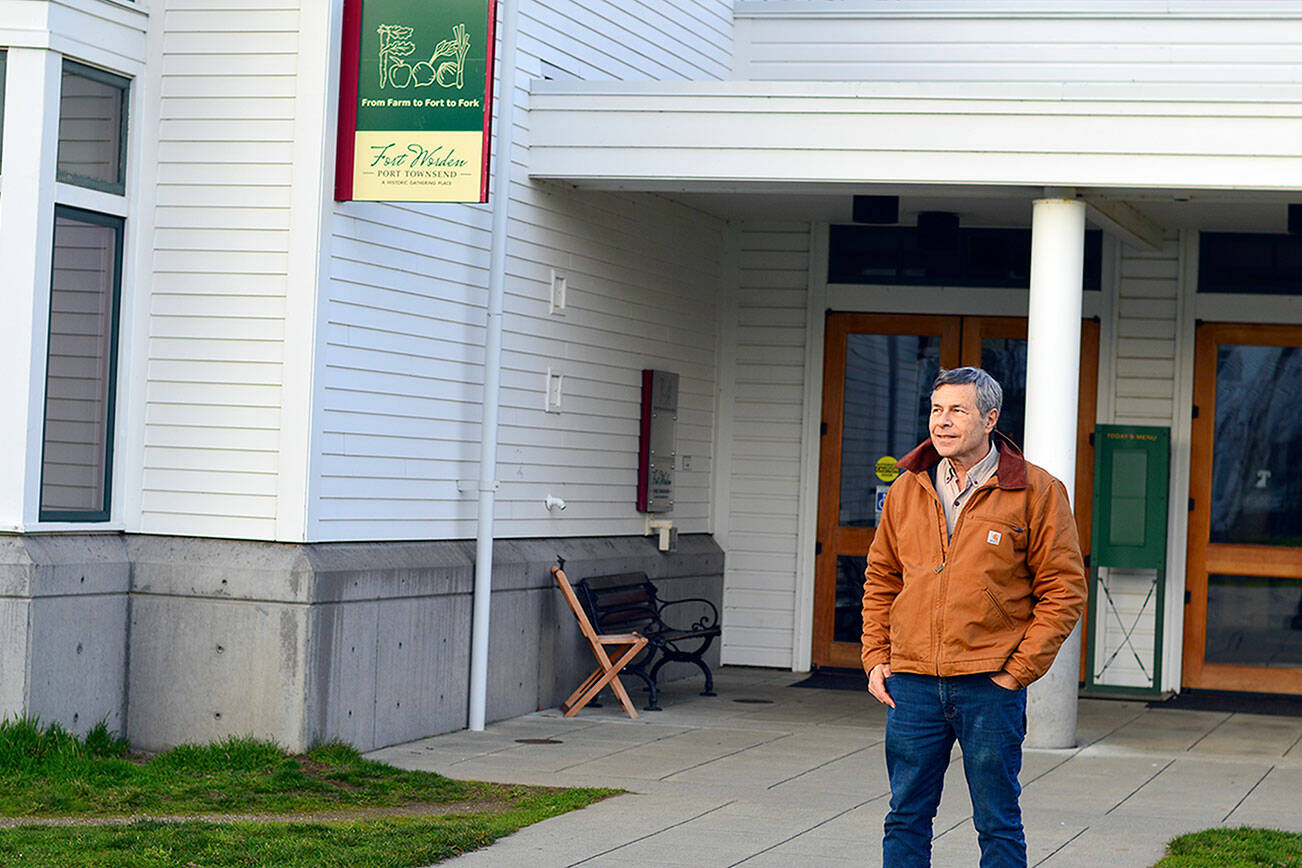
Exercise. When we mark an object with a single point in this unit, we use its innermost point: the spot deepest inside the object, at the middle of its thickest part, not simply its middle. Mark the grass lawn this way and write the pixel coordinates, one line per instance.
(74, 802)
(1243, 847)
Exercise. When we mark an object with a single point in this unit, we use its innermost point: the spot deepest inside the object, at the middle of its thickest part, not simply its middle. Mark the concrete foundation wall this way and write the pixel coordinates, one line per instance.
(179, 640)
(218, 641)
(390, 655)
(63, 629)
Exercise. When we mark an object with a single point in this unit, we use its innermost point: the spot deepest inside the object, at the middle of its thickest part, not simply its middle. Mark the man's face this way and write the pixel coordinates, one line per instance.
(958, 431)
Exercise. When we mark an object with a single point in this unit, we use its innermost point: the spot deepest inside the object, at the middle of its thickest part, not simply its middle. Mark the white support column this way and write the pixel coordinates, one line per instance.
(1052, 387)
(31, 136)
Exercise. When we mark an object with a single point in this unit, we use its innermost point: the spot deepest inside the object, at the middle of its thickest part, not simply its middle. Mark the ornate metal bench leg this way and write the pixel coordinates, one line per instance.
(649, 680)
(709, 679)
(655, 670)
(652, 696)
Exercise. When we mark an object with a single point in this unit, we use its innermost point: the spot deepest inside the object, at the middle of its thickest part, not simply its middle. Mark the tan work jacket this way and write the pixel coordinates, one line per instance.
(1002, 593)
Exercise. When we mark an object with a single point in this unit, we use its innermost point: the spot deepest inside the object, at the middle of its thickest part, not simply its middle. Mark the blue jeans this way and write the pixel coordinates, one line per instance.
(989, 723)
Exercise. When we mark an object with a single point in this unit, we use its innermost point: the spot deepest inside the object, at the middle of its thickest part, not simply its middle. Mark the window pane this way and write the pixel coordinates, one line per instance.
(79, 376)
(887, 404)
(1005, 360)
(848, 621)
(1254, 621)
(91, 128)
(1249, 263)
(1257, 460)
(984, 257)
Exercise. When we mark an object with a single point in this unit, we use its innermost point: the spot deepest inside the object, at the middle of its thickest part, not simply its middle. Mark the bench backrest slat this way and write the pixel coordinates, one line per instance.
(618, 601)
(625, 598)
(613, 621)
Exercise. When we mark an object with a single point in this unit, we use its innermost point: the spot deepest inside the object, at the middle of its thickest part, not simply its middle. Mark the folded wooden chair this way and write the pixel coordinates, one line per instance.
(625, 645)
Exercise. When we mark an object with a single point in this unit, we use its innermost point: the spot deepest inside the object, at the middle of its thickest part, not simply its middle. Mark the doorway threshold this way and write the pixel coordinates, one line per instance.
(835, 678)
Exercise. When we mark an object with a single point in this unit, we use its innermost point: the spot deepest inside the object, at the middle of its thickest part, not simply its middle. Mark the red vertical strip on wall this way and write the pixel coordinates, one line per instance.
(488, 101)
(644, 443)
(350, 56)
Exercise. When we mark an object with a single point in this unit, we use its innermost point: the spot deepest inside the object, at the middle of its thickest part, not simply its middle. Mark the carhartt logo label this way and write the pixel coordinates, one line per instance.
(994, 537)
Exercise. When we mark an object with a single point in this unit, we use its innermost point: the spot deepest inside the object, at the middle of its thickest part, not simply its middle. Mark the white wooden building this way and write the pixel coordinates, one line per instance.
(241, 415)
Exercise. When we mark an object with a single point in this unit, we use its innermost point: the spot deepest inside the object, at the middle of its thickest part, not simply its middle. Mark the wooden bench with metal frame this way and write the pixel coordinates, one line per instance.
(631, 601)
(624, 645)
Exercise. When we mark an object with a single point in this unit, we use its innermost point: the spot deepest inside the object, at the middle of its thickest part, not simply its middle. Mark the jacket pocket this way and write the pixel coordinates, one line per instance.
(911, 624)
(999, 609)
(998, 530)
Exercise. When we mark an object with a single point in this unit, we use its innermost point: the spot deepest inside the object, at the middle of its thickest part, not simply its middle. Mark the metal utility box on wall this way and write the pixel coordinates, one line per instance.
(656, 449)
(1128, 559)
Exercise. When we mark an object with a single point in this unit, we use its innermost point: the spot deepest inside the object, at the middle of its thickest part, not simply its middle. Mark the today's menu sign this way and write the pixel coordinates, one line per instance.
(415, 100)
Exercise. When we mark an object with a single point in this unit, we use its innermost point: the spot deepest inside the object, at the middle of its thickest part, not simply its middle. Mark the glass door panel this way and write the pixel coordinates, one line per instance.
(847, 625)
(1243, 618)
(887, 382)
(1257, 454)
(998, 344)
(1254, 620)
(877, 380)
(1005, 360)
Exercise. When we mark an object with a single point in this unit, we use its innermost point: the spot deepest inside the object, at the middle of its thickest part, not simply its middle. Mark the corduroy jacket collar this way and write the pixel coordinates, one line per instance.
(1010, 475)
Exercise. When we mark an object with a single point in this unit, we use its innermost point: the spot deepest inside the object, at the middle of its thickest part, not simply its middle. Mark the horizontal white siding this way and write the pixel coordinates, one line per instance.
(1145, 344)
(403, 373)
(759, 594)
(218, 300)
(629, 39)
(1122, 42)
(401, 358)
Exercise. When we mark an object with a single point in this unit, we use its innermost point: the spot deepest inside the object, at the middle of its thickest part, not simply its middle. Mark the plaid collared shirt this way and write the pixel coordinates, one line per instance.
(952, 498)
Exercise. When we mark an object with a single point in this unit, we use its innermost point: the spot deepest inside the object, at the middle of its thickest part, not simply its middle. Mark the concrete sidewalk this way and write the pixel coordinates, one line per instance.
(769, 775)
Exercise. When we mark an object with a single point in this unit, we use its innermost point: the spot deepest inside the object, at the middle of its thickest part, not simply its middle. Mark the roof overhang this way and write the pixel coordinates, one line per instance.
(771, 136)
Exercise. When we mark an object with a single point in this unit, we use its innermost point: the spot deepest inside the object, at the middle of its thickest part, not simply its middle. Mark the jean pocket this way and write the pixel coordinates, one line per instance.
(1005, 689)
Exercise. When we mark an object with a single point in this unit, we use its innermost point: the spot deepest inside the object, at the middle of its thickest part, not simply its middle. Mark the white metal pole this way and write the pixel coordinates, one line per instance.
(505, 131)
(1052, 390)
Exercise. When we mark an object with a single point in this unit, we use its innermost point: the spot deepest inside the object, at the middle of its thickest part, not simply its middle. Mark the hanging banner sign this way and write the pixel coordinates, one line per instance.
(415, 100)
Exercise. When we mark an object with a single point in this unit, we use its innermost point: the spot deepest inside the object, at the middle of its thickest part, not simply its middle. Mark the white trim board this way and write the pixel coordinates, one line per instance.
(701, 135)
(1049, 9)
(1225, 307)
(1177, 543)
(811, 448)
(942, 300)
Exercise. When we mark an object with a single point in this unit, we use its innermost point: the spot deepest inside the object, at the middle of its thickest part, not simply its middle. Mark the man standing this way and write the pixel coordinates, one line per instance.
(974, 580)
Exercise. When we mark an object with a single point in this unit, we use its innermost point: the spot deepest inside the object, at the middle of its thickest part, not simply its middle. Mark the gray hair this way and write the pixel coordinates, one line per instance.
(990, 396)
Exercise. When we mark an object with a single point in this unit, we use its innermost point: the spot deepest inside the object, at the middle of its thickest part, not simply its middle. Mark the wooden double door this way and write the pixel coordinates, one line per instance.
(1243, 602)
(877, 377)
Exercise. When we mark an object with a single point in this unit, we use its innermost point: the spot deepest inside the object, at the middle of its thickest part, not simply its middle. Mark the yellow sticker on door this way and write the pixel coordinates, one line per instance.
(887, 468)
(994, 537)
